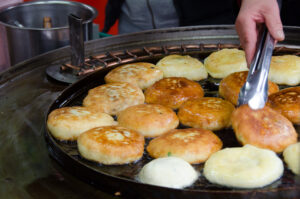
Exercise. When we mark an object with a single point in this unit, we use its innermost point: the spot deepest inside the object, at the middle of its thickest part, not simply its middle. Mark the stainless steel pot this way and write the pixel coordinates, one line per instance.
(24, 27)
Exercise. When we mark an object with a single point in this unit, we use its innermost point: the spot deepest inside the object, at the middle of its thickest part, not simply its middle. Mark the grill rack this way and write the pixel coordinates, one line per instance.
(108, 59)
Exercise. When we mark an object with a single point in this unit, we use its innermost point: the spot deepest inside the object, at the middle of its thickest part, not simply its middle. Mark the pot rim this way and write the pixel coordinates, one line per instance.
(50, 2)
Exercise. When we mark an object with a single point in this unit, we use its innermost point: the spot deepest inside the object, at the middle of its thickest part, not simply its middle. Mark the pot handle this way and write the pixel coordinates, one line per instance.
(76, 40)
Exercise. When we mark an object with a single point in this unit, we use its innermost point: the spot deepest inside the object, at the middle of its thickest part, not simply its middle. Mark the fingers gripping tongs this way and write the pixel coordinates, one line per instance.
(255, 90)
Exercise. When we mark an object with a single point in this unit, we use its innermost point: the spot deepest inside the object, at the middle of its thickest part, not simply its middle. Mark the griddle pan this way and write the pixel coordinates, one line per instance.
(122, 178)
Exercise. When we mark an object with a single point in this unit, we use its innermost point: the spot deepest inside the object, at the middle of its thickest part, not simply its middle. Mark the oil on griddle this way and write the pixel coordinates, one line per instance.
(130, 171)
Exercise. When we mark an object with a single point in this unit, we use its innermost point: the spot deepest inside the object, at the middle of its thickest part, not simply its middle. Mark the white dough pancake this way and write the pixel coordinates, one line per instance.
(291, 156)
(182, 66)
(285, 70)
(170, 172)
(222, 63)
(243, 167)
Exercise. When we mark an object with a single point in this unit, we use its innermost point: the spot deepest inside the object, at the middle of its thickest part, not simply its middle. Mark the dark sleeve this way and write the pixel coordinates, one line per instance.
(112, 13)
(206, 12)
(290, 14)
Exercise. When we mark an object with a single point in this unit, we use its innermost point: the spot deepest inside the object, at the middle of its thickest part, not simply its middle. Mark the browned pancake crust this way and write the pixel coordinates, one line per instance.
(208, 113)
(231, 85)
(193, 145)
(173, 91)
(111, 145)
(264, 128)
(287, 102)
(114, 97)
(150, 120)
(67, 123)
(141, 74)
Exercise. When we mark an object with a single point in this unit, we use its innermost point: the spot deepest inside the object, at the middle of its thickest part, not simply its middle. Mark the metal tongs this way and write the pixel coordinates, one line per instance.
(255, 90)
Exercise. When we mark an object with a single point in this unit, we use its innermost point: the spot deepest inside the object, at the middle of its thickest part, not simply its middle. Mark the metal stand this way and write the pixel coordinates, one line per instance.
(68, 73)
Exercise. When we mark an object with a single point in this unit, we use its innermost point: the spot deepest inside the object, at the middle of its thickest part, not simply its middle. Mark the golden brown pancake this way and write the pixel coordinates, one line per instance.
(231, 85)
(141, 74)
(111, 145)
(114, 97)
(285, 70)
(264, 128)
(193, 145)
(150, 120)
(68, 123)
(182, 66)
(173, 91)
(287, 102)
(222, 63)
(207, 112)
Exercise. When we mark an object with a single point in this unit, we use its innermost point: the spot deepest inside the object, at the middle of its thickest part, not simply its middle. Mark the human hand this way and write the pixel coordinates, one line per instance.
(252, 14)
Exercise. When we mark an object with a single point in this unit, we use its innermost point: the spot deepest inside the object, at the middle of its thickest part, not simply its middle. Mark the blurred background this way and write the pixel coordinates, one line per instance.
(7, 52)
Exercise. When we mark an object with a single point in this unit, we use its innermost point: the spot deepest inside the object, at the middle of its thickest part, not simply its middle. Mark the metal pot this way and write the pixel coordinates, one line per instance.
(25, 31)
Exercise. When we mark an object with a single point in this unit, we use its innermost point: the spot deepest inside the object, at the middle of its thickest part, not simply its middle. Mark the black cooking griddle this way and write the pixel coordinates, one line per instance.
(123, 177)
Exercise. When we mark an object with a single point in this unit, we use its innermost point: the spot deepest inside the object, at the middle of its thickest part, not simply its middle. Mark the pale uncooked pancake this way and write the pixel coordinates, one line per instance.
(207, 112)
(287, 102)
(264, 128)
(291, 156)
(68, 123)
(111, 145)
(172, 92)
(168, 172)
(182, 66)
(285, 70)
(193, 145)
(141, 74)
(150, 120)
(231, 85)
(243, 167)
(114, 97)
(224, 62)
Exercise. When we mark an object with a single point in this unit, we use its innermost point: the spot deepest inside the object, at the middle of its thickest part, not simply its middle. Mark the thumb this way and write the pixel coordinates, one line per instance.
(274, 24)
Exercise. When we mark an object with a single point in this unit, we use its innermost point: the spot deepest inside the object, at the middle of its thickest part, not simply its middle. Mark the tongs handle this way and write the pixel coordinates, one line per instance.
(266, 42)
(257, 79)
(264, 48)
(255, 90)
(264, 51)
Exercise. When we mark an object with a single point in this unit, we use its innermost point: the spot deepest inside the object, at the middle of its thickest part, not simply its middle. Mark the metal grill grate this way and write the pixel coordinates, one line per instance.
(108, 59)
